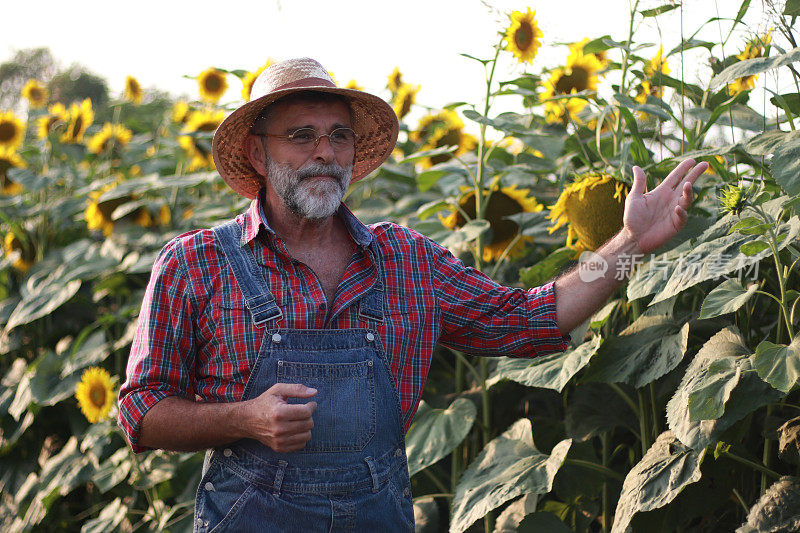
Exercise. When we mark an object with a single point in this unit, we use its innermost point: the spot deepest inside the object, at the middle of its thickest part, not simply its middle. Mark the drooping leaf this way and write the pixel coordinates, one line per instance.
(109, 519)
(436, 432)
(113, 470)
(549, 371)
(708, 397)
(507, 467)
(508, 521)
(778, 509)
(716, 253)
(664, 471)
(48, 297)
(792, 8)
(751, 67)
(727, 297)
(789, 441)
(646, 350)
(649, 108)
(427, 179)
(416, 156)
(785, 165)
(750, 392)
(778, 364)
(660, 9)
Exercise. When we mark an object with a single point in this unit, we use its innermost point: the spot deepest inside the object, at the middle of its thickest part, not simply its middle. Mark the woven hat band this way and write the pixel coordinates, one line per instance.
(306, 82)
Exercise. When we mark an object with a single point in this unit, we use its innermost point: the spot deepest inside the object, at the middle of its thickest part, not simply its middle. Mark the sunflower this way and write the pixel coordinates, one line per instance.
(522, 36)
(592, 205)
(647, 87)
(95, 394)
(144, 218)
(353, 84)
(733, 199)
(56, 117)
(9, 159)
(199, 150)
(755, 48)
(180, 112)
(109, 138)
(502, 203)
(36, 94)
(250, 77)
(25, 251)
(213, 84)
(80, 116)
(133, 91)
(577, 48)
(404, 98)
(395, 80)
(12, 130)
(432, 122)
(98, 214)
(580, 74)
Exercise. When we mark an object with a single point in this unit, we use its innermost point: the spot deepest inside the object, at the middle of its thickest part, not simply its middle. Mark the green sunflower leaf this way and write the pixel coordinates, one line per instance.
(549, 371)
(730, 358)
(778, 364)
(436, 432)
(507, 467)
(727, 297)
(785, 164)
(753, 247)
(664, 471)
(751, 67)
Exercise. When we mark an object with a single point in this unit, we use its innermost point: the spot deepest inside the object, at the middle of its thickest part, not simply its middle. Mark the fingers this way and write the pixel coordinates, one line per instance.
(295, 411)
(292, 390)
(680, 217)
(687, 171)
(674, 177)
(639, 181)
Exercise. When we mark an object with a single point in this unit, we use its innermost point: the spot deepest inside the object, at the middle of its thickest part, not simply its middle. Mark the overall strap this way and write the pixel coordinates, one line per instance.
(254, 286)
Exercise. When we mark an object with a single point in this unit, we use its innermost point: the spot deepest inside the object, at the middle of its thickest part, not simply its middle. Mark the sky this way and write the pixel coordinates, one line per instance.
(162, 42)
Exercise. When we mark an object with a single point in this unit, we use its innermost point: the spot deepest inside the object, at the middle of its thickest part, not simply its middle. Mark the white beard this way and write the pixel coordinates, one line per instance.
(313, 199)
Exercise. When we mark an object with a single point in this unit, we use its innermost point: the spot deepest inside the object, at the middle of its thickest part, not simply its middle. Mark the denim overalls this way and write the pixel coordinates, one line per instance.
(352, 475)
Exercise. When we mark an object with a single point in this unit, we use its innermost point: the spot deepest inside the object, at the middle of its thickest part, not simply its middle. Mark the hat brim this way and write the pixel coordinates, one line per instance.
(373, 120)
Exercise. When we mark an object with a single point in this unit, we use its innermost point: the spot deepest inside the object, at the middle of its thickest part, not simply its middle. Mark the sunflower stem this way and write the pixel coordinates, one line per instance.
(623, 85)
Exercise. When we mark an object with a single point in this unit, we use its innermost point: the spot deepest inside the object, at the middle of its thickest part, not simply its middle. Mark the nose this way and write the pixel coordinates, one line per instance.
(323, 151)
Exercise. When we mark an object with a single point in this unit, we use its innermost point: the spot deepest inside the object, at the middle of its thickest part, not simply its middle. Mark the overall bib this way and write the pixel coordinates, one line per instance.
(352, 475)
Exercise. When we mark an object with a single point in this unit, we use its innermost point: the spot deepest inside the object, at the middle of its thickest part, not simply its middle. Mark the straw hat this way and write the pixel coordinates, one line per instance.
(374, 122)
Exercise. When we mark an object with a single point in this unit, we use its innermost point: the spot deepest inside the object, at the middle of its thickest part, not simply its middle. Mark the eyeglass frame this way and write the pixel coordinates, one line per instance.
(319, 136)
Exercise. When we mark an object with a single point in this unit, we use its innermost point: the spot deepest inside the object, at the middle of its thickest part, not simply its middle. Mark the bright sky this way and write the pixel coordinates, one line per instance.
(159, 42)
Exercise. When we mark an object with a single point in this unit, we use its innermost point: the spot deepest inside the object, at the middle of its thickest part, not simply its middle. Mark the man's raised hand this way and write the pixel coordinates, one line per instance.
(653, 218)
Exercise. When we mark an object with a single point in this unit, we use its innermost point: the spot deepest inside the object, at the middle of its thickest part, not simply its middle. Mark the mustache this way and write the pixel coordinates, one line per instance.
(320, 169)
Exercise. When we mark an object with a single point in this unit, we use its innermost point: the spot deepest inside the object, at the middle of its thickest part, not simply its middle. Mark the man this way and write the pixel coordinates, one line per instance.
(294, 341)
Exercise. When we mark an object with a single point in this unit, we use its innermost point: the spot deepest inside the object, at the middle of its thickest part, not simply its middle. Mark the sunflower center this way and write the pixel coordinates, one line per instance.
(577, 81)
(523, 37)
(207, 126)
(213, 83)
(37, 94)
(500, 205)
(97, 395)
(7, 131)
(76, 127)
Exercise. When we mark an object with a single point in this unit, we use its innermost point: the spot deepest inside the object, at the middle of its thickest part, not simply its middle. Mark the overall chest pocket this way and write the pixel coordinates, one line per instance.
(345, 416)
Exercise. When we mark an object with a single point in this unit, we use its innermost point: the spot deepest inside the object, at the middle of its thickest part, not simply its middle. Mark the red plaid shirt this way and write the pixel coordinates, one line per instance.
(192, 340)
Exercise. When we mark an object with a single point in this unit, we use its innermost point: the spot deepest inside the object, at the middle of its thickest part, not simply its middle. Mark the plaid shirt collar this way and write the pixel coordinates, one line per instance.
(255, 219)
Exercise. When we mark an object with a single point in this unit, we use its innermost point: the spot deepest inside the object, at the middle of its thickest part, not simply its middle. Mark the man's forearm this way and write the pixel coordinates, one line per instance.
(584, 289)
(179, 424)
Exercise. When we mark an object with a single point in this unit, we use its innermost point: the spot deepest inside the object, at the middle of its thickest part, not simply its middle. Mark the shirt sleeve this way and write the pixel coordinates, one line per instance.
(482, 317)
(163, 349)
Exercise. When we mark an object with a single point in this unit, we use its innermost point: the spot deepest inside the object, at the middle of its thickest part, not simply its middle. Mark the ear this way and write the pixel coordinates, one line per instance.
(254, 147)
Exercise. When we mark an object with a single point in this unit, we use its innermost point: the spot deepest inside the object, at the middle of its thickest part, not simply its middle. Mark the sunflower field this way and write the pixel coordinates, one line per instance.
(676, 407)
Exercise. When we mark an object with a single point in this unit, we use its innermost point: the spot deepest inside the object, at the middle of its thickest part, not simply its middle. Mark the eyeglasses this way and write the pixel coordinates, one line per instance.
(308, 138)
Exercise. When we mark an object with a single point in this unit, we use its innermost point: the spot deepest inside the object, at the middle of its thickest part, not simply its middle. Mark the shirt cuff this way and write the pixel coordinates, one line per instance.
(543, 320)
(132, 409)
